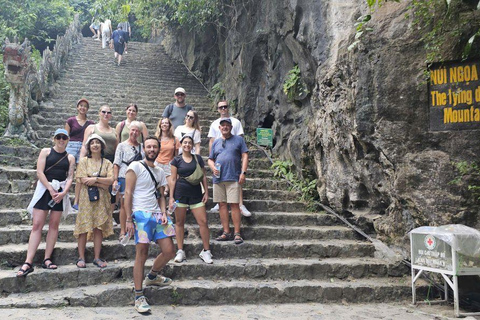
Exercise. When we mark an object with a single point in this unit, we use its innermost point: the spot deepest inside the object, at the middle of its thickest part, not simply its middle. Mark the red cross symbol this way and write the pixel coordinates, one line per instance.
(429, 241)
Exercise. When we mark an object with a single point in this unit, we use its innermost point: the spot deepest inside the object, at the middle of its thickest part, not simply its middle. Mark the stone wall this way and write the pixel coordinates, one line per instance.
(363, 129)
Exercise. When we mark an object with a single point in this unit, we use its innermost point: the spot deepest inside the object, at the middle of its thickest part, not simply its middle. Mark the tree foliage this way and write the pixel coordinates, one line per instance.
(39, 20)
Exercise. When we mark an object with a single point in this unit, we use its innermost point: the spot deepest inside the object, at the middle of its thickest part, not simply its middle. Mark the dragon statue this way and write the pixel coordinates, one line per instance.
(21, 74)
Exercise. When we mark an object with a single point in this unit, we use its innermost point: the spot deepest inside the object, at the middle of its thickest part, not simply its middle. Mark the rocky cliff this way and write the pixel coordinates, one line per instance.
(362, 127)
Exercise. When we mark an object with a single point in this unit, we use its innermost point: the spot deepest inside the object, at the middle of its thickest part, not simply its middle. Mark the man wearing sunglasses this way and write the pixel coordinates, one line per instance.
(177, 111)
(215, 133)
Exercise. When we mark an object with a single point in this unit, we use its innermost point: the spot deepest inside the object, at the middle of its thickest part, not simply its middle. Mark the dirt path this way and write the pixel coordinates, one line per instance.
(250, 312)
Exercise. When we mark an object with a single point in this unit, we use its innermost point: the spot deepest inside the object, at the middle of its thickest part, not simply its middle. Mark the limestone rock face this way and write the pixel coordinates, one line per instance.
(363, 127)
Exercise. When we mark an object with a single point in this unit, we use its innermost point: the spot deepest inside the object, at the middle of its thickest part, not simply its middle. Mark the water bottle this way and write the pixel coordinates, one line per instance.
(115, 189)
(125, 239)
(175, 204)
(218, 166)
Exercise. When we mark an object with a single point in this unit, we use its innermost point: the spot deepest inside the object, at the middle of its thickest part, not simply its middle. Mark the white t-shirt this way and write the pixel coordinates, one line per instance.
(143, 197)
(182, 130)
(215, 132)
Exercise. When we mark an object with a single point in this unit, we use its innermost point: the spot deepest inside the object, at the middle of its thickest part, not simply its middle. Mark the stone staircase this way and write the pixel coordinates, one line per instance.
(289, 255)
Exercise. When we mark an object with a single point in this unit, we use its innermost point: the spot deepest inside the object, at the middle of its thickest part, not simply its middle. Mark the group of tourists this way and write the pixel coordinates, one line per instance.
(116, 39)
(144, 170)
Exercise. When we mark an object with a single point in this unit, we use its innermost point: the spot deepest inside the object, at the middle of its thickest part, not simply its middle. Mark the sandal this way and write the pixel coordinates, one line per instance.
(238, 238)
(224, 237)
(82, 265)
(23, 272)
(100, 263)
(50, 266)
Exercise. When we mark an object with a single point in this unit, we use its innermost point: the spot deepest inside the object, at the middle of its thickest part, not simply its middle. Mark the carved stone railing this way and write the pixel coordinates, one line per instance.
(29, 86)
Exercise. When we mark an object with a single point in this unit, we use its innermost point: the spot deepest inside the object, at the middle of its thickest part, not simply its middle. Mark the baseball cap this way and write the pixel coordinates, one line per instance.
(226, 119)
(84, 100)
(61, 131)
(180, 89)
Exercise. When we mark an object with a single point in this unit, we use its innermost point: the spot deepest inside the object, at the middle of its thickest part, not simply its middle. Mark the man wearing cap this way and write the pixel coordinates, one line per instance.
(147, 219)
(177, 111)
(228, 161)
(118, 42)
(215, 133)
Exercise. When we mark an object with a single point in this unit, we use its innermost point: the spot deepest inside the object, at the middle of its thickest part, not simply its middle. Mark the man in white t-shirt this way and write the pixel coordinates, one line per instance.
(214, 133)
(147, 219)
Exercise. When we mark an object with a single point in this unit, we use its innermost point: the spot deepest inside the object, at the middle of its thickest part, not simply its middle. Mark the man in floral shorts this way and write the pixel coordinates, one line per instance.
(147, 218)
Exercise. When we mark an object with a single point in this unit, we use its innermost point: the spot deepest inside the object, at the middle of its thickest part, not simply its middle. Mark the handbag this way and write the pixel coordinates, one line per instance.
(197, 176)
(93, 192)
(137, 157)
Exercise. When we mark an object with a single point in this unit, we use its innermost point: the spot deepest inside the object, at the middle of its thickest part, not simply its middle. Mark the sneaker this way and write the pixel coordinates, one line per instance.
(141, 305)
(244, 211)
(206, 256)
(75, 207)
(215, 209)
(180, 256)
(158, 281)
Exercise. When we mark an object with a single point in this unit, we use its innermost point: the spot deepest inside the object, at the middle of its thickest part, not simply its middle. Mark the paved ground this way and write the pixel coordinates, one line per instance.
(250, 312)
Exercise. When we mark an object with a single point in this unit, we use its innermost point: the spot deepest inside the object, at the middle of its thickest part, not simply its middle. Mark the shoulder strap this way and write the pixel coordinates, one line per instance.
(122, 125)
(151, 174)
(170, 109)
(66, 155)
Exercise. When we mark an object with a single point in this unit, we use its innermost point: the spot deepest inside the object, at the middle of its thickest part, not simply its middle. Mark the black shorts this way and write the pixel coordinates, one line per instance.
(42, 203)
(118, 47)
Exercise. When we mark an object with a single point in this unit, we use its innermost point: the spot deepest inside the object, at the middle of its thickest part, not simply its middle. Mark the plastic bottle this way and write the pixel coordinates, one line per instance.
(115, 189)
(125, 239)
(218, 166)
(51, 203)
(175, 204)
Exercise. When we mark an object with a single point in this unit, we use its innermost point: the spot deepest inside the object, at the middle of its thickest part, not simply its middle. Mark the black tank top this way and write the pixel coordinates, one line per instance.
(60, 170)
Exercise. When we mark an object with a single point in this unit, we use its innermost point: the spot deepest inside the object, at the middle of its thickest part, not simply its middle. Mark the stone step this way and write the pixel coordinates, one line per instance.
(15, 200)
(9, 216)
(45, 127)
(21, 233)
(69, 276)
(66, 252)
(216, 292)
(150, 97)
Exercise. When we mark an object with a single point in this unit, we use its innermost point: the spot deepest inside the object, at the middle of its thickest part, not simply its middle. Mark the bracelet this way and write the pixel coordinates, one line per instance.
(129, 220)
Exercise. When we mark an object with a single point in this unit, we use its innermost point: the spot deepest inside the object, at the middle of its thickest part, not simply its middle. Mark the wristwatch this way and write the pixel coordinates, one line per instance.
(244, 172)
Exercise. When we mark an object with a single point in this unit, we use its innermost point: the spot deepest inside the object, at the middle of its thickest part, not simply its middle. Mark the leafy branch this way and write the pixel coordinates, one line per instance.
(306, 186)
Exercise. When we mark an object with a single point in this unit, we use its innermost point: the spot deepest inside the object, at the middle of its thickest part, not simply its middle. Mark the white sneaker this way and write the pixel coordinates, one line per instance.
(180, 257)
(244, 211)
(141, 305)
(215, 209)
(206, 256)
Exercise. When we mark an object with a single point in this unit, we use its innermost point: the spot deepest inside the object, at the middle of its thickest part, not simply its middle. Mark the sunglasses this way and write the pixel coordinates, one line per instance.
(222, 107)
(61, 137)
(189, 117)
(106, 112)
(179, 94)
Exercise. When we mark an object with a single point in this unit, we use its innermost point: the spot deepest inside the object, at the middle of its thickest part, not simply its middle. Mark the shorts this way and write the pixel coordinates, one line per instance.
(166, 168)
(118, 47)
(228, 192)
(73, 148)
(122, 185)
(42, 203)
(190, 206)
(147, 229)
